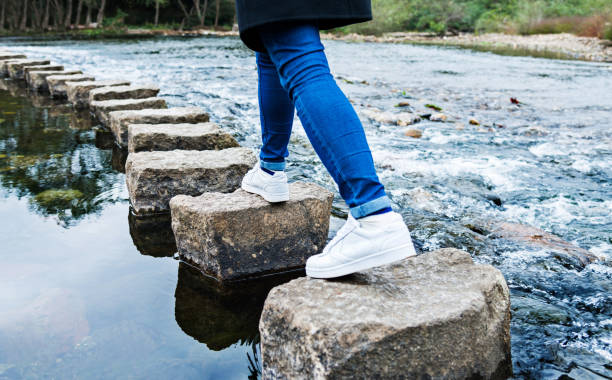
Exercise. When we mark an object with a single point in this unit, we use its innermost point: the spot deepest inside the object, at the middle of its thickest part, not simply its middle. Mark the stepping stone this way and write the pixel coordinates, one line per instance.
(160, 137)
(221, 314)
(15, 69)
(57, 83)
(7, 55)
(119, 120)
(123, 92)
(37, 80)
(103, 108)
(78, 92)
(237, 235)
(433, 316)
(27, 69)
(153, 178)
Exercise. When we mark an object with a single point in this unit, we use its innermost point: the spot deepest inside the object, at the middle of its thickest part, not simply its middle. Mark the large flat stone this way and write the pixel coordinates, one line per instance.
(78, 92)
(433, 316)
(123, 92)
(236, 235)
(27, 69)
(160, 137)
(119, 120)
(14, 68)
(153, 178)
(57, 83)
(37, 80)
(104, 107)
(6, 55)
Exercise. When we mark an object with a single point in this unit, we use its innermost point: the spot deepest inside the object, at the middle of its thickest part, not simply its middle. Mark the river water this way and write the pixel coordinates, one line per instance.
(90, 291)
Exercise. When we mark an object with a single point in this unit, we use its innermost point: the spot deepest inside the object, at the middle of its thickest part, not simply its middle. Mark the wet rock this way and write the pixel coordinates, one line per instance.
(153, 178)
(37, 80)
(474, 122)
(221, 314)
(434, 316)
(438, 117)
(78, 92)
(403, 104)
(239, 234)
(534, 131)
(160, 137)
(6, 55)
(401, 118)
(152, 235)
(104, 107)
(57, 83)
(415, 133)
(123, 92)
(14, 68)
(27, 69)
(119, 120)
(539, 238)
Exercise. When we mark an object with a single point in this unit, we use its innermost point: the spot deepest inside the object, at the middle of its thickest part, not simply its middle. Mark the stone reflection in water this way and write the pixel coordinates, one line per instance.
(152, 235)
(221, 315)
(48, 160)
(104, 138)
(119, 158)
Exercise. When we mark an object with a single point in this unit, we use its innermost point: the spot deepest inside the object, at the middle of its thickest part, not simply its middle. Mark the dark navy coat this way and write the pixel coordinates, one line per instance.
(327, 13)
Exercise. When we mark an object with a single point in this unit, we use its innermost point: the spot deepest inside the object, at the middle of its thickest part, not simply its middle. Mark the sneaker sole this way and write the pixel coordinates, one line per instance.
(272, 198)
(374, 260)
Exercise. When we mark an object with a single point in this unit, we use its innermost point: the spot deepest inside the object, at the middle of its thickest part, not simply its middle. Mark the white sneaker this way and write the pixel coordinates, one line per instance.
(273, 188)
(363, 244)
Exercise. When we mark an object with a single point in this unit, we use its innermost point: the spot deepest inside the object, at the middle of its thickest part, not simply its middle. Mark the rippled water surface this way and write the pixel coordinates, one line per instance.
(90, 291)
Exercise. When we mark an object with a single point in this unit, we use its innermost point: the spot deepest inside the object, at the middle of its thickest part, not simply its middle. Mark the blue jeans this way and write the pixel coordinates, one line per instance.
(294, 73)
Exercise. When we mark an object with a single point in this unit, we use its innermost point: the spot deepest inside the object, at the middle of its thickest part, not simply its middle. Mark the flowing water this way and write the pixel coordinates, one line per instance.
(90, 291)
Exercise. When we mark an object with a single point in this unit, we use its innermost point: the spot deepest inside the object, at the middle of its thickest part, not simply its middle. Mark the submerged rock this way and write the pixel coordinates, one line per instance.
(123, 92)
(539, 238)
(239, 234)
(434, 316)
(57, 83)
(7, 55)
(160, 137)
(415, 133)
(78, 92)
(402, 118)
(37, 80)
(153, 178)
(14, 68)
(104, 107)
(119, 120)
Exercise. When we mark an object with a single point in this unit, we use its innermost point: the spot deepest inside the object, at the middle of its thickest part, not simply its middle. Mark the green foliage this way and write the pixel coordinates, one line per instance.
(116, 22)
(608, 32)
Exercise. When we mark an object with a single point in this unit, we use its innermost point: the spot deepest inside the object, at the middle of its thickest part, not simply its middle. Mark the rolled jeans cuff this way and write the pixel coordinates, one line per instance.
(276, 166)
(370, 207)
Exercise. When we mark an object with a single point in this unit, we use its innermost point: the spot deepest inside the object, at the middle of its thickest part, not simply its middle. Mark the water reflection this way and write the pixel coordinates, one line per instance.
(47, 155)
(119, 157)
(221, 315)
(152, 234)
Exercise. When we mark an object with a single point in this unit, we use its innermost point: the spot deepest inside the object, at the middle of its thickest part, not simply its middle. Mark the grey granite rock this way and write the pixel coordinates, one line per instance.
(37, 80)
(433, 316)
(123, 92)
(153, 178)
(14, 68)
(102, 108)
(238, 235)
(202, 136)
(78, 92)
(27, 69)
(6, 55)
(119, 120)
(57, 83)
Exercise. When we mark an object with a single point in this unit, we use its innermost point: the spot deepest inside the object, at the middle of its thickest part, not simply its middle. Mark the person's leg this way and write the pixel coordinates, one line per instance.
(372, 235)
(331, 123)
(276, 112)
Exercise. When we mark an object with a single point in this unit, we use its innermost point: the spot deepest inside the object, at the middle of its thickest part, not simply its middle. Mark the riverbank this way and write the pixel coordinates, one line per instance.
(561, 46)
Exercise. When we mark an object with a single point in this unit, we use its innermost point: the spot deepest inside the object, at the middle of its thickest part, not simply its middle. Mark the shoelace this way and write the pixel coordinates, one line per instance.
(348, 227)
